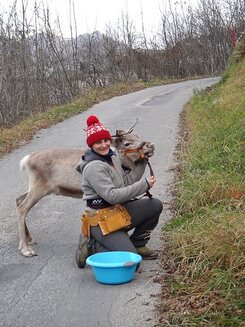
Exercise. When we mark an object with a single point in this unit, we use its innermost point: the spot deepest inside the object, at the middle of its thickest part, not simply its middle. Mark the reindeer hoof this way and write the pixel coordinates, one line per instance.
(28, 253)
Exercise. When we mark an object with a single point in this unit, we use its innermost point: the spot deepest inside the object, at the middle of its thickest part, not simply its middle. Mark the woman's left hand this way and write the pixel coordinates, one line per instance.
(151, 181)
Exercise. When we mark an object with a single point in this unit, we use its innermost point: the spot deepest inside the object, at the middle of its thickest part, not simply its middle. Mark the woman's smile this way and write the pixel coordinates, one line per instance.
(102, 147)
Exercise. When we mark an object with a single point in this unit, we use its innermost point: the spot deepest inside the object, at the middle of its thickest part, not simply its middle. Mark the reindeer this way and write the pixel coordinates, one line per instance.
(54, 171)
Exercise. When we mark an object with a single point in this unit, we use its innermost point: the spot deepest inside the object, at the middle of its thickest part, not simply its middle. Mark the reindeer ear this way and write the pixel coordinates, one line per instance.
(120, 132)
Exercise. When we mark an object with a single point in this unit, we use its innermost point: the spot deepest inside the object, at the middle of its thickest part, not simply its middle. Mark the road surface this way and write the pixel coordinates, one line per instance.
(49, 289)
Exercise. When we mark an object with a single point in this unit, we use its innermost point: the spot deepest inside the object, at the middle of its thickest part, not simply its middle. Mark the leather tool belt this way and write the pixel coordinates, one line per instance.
(109, 219)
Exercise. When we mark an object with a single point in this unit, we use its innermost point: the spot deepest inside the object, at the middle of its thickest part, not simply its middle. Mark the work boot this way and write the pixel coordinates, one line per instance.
(147, 253)
(82, 251)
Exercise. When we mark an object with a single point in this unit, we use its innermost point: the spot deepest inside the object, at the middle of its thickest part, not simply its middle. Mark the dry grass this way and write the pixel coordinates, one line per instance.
(206, 270)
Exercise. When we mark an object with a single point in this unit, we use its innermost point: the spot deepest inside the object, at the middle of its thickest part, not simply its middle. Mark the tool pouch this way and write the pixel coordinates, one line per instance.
(113, 218)
(109, 219)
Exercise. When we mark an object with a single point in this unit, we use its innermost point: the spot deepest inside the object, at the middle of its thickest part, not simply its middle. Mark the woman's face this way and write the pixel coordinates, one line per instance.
(102, 147)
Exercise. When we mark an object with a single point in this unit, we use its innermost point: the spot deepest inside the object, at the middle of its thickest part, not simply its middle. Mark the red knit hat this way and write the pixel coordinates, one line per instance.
(96, 131)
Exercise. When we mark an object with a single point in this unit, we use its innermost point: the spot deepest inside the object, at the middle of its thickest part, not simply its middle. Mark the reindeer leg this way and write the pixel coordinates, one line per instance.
(28, 235)
(24, 207)
(25, 248)
(29, 239)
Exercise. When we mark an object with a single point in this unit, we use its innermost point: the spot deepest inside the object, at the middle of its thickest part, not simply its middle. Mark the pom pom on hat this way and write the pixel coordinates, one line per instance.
(96, 131)
(92, 120)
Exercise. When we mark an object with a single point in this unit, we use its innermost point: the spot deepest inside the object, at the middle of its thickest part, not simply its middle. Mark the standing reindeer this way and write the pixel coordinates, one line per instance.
(54, 171)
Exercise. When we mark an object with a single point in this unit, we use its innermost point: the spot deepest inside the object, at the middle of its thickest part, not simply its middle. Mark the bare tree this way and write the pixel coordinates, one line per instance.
(40, 68)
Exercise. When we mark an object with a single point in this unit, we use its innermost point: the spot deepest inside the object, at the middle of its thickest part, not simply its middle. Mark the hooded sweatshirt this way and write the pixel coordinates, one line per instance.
(103, 177)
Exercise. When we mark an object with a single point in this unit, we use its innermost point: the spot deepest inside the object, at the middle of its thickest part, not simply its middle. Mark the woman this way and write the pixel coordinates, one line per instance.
(106, 183)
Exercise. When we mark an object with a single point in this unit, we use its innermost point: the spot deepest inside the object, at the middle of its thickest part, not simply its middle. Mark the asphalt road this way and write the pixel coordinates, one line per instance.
(49, 289)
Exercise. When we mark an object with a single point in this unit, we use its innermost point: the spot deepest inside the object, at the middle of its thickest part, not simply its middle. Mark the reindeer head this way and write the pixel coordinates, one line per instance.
(131, 148)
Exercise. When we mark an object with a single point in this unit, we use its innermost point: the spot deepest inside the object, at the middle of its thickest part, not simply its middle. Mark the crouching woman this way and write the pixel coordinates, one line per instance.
(106, 184)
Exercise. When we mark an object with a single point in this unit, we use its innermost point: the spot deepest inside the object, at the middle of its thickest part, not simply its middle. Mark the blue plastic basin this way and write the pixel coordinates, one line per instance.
(115, 267)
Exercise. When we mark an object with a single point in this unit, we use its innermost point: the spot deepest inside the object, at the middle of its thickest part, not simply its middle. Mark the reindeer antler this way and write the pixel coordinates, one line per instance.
(126, 133)
(132, 128)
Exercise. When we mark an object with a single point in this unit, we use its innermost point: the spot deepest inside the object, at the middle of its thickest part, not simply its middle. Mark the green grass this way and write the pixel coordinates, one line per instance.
(205, 257)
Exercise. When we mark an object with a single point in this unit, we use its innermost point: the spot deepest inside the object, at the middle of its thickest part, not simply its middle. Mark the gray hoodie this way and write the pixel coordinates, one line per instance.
(107, 179)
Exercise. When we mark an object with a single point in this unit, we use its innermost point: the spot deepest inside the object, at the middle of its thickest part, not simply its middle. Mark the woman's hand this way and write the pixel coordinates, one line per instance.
(151, 180)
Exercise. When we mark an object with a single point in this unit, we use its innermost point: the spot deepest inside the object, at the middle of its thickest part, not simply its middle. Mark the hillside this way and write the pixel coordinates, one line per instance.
(205, 261)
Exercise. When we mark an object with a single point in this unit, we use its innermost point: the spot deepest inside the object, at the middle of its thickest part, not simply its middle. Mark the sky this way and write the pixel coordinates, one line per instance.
(94, 15)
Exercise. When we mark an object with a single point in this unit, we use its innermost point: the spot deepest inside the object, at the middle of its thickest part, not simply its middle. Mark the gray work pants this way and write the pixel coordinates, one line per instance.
(144, 214)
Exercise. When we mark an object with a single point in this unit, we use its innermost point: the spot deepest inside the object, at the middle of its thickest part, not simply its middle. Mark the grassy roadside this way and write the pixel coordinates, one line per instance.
(205, 257)
(19, 134)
